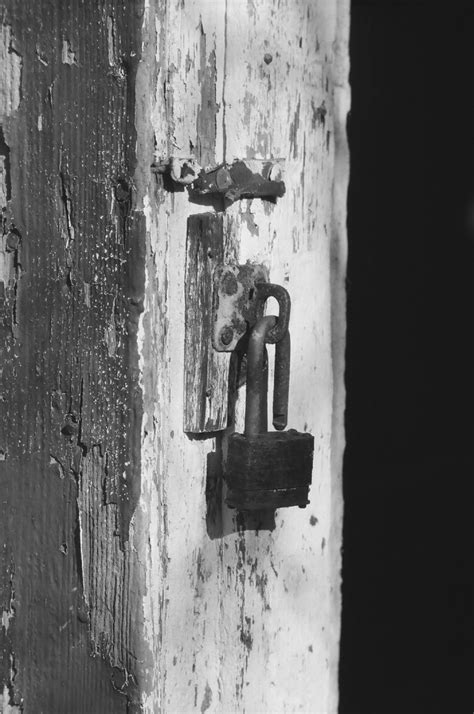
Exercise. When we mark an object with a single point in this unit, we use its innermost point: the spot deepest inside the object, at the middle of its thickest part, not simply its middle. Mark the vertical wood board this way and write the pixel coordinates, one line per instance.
(246, 620)
(71, 292)
(205, 369)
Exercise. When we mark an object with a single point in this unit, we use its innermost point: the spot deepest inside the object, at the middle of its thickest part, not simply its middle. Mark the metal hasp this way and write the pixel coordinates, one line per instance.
(268, 470)
(221, 304)
(236, 303)
(240, 292)
(241, 179)
(244, 178)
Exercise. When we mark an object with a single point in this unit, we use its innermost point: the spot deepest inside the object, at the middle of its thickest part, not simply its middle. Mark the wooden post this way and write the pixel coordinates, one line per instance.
(72, 285)
(124, 584)
(239, 620)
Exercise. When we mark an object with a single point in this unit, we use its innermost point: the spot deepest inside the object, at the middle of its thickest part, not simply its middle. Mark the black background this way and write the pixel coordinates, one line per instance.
(407, 557)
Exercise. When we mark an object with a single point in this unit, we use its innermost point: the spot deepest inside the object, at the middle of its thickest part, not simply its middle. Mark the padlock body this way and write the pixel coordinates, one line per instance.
(269, 470)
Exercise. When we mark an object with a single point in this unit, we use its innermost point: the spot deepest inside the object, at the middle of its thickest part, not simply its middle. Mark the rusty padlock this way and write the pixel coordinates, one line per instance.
(268, 470)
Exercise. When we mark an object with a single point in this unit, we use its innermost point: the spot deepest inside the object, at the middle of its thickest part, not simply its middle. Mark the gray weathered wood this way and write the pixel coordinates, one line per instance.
(205, 369)
(71, 295)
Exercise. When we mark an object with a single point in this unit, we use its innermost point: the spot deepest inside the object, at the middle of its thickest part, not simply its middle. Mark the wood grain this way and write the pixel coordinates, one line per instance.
(71, 406)
(205, 369)
(239, 619)
(107, 549)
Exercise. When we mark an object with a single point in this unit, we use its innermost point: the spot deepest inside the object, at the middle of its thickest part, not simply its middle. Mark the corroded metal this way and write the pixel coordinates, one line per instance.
(247, 178)
(268, 470)
(256, 399)
(236, 303)
(281, 295)
(240, 293)
(257, 379)
(241, 179)
(281, 384)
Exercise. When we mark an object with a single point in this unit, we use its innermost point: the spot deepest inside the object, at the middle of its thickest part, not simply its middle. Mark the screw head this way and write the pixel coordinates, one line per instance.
(226, 335)
(223, 178)
(230, 284)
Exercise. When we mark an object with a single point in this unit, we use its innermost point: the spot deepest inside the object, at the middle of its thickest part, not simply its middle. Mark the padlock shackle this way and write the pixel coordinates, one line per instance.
(281, 295)
(257, 379)
(256, 391)
(281, 383)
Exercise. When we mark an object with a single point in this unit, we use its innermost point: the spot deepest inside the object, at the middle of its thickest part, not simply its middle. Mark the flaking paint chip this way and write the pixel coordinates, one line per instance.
(68, 55)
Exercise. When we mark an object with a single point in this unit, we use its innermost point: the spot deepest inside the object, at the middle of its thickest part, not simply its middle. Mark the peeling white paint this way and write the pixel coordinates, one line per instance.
(68, 56)
(110, 333)
(57, 466)
(247, 621)
(3, 182)
(10, 75)
(87, 294)
(7, 265)
(7, 615)
(5, 706)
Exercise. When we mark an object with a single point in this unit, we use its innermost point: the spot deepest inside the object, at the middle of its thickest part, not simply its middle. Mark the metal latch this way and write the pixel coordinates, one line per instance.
(243, 178)
(240, 292)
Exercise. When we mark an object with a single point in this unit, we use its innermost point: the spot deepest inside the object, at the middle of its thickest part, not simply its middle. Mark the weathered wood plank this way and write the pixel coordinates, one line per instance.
(71, 417)
(241, 621)
(205, 369)
(247, 621)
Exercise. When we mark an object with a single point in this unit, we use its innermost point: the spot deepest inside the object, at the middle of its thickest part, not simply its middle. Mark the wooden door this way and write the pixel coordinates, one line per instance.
(120, 589)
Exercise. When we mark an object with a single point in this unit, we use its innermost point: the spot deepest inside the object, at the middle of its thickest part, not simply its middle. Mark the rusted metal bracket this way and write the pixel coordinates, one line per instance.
(222, 302)
(240, 292)
(246, 178)
(236, 303)
(242, 179)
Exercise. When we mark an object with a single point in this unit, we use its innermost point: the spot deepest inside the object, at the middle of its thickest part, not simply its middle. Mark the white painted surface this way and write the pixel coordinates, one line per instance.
(248, 622)
(10, 76)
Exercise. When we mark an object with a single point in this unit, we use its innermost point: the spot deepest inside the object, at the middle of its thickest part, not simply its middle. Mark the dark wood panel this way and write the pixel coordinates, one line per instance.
(70, 424)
